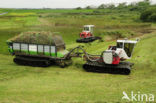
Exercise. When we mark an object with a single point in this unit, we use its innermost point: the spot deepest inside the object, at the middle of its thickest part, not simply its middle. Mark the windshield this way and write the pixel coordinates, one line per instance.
(119, 45)
(128, 47)
(86, 28)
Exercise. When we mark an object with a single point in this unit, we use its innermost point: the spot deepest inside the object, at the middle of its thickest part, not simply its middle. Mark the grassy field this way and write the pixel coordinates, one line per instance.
(24, 84)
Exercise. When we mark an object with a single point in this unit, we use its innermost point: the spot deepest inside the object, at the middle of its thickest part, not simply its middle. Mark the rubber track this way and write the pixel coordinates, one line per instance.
(86, 40)
(123, 68)
(32, 62)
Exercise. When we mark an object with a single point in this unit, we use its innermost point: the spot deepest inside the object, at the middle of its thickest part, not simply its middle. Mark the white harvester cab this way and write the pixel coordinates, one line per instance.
(88, 28)
(125, 48)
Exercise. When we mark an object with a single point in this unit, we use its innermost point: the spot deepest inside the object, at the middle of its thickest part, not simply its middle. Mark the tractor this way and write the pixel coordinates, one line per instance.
(86, 35)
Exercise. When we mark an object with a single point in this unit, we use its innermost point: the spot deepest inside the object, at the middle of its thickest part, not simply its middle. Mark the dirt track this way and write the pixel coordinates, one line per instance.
(4, 13)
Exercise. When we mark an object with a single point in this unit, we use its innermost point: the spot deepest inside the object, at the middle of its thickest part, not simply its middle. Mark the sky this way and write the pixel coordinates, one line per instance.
(58, 3)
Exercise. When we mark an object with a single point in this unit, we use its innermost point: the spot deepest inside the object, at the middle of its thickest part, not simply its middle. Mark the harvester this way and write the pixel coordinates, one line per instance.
(113, 59)
(40, 49)
(86, 35)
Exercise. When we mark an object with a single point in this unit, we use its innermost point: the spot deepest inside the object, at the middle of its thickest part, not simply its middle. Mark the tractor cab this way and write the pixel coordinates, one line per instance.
(125, 48)
(87, 31)
(88, 28)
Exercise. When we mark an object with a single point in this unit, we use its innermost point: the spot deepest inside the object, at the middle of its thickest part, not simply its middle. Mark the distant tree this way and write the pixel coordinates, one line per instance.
(78, 8)
(140, 6)
(152, 17)
(149, 15)
(102, 6)
(133, 6)
(111, 6)
(88, 7)
(144, 3)
(122, 5)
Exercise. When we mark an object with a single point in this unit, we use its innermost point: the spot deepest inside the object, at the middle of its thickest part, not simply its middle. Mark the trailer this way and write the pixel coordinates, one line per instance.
(30, 52)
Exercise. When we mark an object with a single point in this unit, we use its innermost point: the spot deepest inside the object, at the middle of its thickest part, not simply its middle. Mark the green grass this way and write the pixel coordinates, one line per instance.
(69, 23)
(73, 84)
(24, 84)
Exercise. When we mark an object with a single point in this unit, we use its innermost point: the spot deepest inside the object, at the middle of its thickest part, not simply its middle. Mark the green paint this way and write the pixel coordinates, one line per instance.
(59, 54)
(10, 50)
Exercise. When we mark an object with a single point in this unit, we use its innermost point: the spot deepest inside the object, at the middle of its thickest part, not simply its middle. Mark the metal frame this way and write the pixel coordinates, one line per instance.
(37, 48)
(127, 41)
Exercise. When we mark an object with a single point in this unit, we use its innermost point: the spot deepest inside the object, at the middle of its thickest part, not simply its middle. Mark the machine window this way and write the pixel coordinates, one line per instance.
(119, 45)
(128, 47)
(86, 28)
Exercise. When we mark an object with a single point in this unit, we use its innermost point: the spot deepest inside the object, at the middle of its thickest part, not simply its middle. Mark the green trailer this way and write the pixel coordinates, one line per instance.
(38, 49)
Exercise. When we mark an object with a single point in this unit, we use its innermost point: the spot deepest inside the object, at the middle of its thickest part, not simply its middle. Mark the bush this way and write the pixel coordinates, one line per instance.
(78, 8)
(153, 17)
(149, 15)
(88, 7)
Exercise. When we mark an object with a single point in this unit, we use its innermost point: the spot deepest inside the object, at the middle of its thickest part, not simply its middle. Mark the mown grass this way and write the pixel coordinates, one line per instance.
(73, 84)
(47, 85)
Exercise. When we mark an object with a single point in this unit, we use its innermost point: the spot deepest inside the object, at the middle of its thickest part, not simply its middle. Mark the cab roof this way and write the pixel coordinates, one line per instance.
(127, 41)
(88, 26)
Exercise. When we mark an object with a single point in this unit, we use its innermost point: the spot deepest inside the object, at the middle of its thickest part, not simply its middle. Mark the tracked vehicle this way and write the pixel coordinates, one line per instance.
(38, 49)
(86, 36)
(113, 59)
